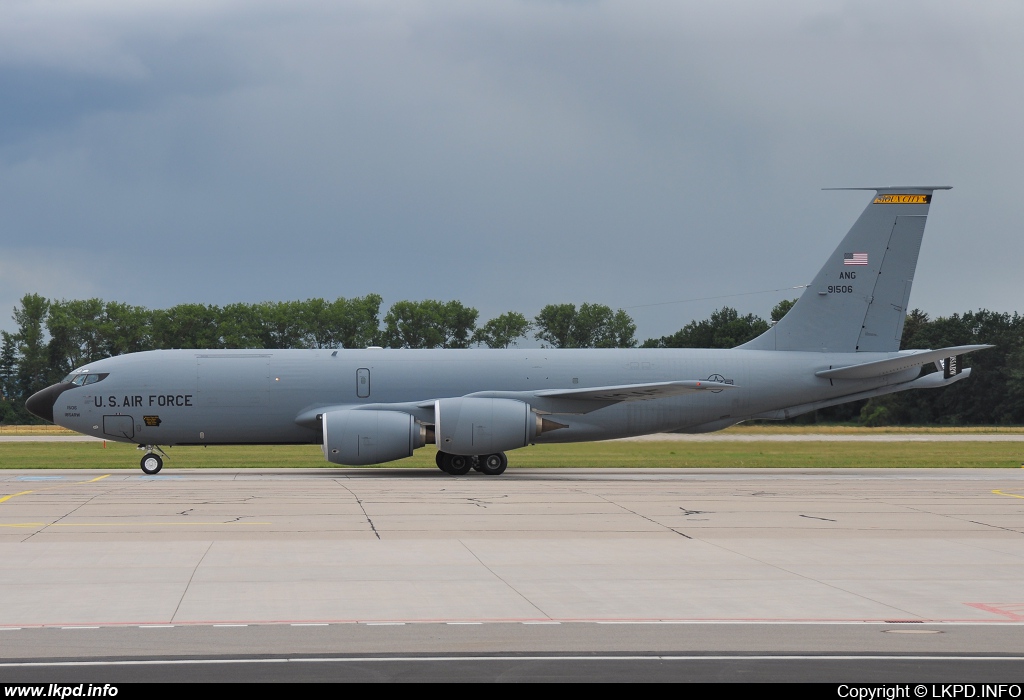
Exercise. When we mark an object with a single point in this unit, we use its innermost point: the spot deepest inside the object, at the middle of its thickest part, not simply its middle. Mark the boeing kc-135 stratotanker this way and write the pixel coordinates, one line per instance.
(839, 342)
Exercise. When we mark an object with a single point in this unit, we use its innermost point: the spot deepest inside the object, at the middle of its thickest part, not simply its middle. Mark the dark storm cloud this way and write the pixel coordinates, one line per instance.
(506, 154)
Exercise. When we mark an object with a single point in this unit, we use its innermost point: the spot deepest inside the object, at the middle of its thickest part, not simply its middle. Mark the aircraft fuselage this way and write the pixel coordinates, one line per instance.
(177, 397)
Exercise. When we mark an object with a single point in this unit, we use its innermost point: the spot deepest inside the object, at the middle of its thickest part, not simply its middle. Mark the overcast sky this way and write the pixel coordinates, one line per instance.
(508, 154)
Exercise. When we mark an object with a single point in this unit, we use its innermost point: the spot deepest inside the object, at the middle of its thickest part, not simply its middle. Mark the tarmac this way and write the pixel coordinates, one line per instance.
(559, 574)
(667, 551)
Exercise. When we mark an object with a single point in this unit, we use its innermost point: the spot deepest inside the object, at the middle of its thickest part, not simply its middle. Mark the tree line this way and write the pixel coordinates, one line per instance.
(55, 336)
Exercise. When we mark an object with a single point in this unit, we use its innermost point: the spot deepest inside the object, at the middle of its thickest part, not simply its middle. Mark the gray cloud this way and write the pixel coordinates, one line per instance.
(505, 154)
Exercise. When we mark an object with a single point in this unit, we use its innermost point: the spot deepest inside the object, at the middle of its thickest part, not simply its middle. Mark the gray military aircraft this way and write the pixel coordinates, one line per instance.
(839, 342)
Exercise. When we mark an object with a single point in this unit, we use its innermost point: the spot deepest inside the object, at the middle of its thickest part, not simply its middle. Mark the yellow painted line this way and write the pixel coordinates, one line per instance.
(1011, 495)
(50, 488)
(117, 524)
(5, 498)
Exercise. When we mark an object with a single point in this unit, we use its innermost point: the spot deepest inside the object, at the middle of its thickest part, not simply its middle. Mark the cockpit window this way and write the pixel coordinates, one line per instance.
(85, 378)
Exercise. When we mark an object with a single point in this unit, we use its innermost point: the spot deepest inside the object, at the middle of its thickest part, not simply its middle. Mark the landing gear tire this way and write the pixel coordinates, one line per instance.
(151, 463)
(439, 460)
(456, 465)
(494, 464)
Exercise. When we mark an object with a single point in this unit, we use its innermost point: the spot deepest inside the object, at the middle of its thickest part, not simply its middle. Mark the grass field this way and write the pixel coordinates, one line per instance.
(93, 455)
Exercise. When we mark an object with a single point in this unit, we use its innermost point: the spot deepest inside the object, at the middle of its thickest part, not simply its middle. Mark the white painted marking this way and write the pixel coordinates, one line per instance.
(153, 627)
(563, 657)
(309, 624)
(644, 622)
(463, 623)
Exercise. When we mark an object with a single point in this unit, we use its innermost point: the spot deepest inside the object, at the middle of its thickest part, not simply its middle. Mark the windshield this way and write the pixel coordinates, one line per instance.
(84, 378)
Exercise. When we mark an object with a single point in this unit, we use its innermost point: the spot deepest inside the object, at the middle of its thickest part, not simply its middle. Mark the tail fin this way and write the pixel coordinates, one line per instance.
(858, 301)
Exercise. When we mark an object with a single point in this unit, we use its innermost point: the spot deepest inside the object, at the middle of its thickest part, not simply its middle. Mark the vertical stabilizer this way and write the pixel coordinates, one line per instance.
(858, 300)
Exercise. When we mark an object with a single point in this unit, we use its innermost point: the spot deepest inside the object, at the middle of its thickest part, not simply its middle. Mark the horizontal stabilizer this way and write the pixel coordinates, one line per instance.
(635, 392)
(928, 381)
(880, 368)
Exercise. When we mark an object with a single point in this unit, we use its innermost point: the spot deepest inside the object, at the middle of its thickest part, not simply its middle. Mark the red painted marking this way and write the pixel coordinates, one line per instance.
(1014, 611)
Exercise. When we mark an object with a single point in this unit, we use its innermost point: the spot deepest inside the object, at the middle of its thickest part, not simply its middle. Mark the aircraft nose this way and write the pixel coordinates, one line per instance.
(41, 403)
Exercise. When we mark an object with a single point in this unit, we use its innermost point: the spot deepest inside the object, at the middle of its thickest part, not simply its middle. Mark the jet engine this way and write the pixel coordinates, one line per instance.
(477, 426)
(356, 437)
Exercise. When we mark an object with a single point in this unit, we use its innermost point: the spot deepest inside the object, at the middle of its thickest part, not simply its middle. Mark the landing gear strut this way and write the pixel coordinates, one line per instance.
(457, 465)
(151, 462)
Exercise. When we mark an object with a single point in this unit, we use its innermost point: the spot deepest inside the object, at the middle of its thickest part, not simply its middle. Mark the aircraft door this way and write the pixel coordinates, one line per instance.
(363, 383)
(119, 426)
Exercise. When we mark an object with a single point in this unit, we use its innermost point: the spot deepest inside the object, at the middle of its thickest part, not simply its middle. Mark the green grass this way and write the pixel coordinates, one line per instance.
(92, 455)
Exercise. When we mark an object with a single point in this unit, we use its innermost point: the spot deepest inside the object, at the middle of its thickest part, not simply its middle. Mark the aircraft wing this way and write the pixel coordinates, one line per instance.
(880, 368)
(634, 392)
(576, 401)
(588, 399)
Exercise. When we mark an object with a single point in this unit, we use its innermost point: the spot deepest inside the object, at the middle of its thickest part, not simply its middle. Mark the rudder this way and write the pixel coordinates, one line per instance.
(857, 302)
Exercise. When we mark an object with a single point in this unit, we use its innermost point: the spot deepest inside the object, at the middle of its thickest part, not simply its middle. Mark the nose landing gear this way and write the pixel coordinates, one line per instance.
(151, 462)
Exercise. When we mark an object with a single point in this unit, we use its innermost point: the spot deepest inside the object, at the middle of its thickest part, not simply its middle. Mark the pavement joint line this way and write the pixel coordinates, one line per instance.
(748, 621)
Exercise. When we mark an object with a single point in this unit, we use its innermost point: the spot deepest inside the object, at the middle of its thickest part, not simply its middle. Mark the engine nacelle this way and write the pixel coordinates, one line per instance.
(355, 437)
(476, 426)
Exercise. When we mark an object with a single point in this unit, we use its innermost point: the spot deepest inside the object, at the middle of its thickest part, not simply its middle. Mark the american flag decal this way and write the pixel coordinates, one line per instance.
(855, 258)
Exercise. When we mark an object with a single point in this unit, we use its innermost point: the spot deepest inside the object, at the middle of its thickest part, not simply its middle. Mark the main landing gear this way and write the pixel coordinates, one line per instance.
(457, 465)
(151, 462)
